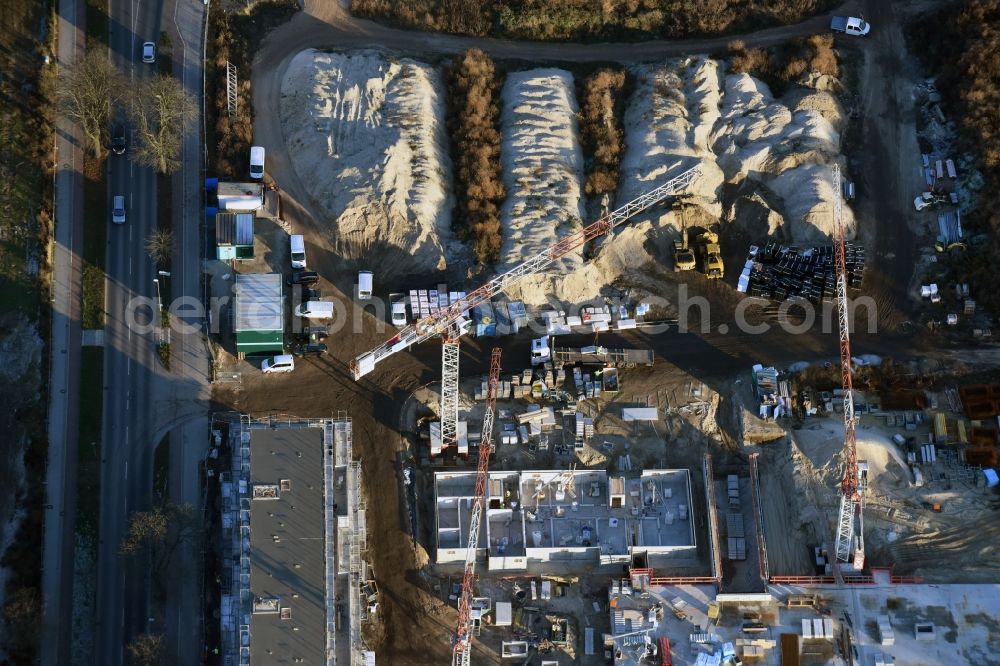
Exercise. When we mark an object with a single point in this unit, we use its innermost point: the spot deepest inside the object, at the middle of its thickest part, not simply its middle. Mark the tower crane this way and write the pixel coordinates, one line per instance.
(850, 524)
(462, 653)
(449, 321)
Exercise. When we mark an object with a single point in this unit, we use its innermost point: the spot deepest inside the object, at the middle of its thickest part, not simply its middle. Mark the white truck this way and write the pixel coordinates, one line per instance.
(850, 25)
(397, 307)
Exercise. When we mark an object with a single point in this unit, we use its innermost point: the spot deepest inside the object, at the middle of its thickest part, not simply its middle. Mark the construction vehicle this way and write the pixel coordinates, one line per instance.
(683, 255)
(462, 650)
(933, 506)
(446, 319)
(711, 256)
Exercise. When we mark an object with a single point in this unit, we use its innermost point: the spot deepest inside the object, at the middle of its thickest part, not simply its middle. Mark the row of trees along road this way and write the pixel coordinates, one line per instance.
(91, 92)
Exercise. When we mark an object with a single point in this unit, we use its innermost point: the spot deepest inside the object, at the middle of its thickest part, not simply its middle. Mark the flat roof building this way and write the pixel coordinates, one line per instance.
(282, 502)
(259, 314)
(553, 515)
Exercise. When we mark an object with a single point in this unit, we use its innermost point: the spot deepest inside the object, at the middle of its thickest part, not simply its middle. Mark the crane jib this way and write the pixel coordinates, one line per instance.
(454, 313)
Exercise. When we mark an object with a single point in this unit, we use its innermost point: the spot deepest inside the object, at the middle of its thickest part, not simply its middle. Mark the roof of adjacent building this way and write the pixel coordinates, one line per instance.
(259, 303)
(234, 229)
(287, 546)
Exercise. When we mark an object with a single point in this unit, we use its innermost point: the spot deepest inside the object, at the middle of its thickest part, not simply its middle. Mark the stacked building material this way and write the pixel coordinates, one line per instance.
(779, 272)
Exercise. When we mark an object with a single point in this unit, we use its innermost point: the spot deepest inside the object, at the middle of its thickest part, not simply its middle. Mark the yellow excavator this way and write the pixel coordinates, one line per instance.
(711, 256)
(683, 255)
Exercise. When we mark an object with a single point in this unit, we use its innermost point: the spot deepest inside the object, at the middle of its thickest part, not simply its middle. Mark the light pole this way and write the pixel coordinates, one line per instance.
(159, 303)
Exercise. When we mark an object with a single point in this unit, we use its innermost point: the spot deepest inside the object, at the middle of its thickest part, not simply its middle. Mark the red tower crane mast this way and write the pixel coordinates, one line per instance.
(462, 653)
(850, 523)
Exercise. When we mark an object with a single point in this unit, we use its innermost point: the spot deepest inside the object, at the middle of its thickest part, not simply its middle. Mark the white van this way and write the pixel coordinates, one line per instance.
(364, 285)
(298, 245)
(315, 310)
(281, 363)
(256, 162)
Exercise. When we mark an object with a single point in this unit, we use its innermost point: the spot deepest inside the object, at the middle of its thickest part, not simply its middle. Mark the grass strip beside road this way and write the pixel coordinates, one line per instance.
(161, 471)
(97, 21)
(95, 241)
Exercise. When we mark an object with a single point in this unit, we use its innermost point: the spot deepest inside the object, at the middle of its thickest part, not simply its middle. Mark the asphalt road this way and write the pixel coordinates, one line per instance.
(130, 364)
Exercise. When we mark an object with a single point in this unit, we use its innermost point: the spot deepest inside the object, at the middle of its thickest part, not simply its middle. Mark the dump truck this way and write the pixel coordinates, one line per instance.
(850, 25)
(711, 256)
(683, 255)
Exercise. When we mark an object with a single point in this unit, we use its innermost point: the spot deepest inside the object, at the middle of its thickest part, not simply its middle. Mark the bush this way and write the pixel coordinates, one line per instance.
(235, 39)
(473, 122)
(163, 353)
(781, 66)
(589, 19)
(601, 134)
(823, 58)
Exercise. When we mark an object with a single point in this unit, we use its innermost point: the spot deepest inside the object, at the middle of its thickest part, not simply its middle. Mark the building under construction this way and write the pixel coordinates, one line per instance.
(535, 517)
(293, 542)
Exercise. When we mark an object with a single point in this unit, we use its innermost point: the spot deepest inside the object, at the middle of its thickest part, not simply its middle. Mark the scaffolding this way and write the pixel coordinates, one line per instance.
(232, 91)
(713, 521)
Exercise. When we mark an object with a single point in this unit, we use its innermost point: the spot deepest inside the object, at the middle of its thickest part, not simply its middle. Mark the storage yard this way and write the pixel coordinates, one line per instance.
(614, 484)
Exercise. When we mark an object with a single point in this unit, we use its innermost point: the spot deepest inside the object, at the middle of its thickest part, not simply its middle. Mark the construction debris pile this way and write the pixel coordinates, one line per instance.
(778, 272)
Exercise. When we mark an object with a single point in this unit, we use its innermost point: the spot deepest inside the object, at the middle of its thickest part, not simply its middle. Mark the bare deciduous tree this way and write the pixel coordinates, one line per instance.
(159, 532)
(87, 93)
(160, 246)
(161, 111)
(147, 649)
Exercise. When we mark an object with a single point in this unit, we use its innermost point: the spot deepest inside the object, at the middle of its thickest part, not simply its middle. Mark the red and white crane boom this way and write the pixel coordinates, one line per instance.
(452, 316)
(850, 523)
(462, 652)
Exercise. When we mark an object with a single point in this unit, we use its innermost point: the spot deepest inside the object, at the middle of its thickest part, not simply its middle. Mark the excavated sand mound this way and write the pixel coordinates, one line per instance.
(668, 127)
(542, 170)
(542, 162)
(367, 138)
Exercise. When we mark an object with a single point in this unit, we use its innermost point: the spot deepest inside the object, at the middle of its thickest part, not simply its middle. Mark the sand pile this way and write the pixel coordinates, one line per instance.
(668, 126)
(366, 135)
(542, 170)
(786, 147)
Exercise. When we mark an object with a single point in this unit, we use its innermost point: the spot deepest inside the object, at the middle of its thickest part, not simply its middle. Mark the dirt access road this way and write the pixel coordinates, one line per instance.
(417, 625)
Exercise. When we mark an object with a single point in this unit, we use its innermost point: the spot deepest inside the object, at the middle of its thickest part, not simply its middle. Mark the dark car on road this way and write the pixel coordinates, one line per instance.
(304, 277)
(313, 349)
(119, 140)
